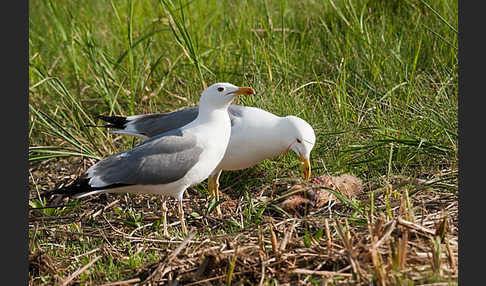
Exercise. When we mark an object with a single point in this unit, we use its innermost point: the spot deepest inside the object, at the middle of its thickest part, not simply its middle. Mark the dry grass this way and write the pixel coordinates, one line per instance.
(404, 232)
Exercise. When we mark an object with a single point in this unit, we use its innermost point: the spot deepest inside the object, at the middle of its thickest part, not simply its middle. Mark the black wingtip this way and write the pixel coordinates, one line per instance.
(115, 121)
(78, 187)
(54, 197)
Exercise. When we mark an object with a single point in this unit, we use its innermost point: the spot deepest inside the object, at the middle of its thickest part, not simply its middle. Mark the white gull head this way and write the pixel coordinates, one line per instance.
(221, 94)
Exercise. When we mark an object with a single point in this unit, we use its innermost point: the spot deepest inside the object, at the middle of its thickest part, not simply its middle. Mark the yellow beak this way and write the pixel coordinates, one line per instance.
(306, 168)
(242, 90)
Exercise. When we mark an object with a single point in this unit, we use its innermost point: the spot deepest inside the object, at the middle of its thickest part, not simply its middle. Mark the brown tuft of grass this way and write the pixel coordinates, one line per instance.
(317, 195)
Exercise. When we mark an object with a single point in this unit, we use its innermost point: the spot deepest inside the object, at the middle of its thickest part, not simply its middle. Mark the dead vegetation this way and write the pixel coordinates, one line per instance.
(398, 231)
(317, 194)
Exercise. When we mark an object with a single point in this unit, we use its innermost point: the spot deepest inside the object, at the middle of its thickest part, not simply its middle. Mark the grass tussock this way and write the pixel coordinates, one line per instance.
(376, 79)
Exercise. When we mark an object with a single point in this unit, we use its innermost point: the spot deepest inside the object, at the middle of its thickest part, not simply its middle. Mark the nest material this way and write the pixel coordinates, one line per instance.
(274, 248)
(312, 196)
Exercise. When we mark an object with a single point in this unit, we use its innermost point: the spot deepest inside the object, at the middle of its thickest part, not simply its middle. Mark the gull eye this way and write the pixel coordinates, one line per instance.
(298, 140)
(220, 89)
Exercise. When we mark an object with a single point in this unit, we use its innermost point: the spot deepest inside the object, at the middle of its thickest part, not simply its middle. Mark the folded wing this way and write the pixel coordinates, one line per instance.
(150, 125)
(162, 159)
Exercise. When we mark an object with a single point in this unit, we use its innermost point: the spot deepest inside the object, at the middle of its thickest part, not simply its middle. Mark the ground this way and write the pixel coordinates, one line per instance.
(406, 235)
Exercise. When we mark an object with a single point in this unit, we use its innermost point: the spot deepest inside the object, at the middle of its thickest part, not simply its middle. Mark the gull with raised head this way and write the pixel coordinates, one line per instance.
(172, 160)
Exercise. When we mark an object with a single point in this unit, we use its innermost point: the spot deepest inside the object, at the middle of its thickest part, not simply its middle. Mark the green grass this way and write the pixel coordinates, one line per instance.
(377, 80)
(373, 79)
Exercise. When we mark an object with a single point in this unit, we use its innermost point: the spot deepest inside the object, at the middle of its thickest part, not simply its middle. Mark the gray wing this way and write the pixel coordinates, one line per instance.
(161, 159)
(235, 111)
(149, 125)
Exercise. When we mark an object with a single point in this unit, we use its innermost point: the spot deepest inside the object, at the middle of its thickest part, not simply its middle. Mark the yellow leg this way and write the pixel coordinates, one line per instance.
(212, 190)
(164, 216)
(181, 217)
(211, 186)
(216, 192)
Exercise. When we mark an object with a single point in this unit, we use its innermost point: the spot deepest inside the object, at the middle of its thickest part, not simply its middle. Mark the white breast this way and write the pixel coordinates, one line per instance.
(213, 146)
